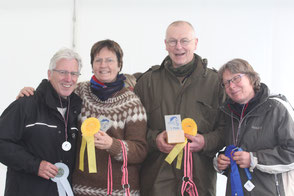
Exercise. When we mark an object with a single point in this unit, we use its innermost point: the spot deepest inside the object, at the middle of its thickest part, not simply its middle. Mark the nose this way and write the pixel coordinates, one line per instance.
(178, 45)
(68, 77)
(103, 63)
(232, 84)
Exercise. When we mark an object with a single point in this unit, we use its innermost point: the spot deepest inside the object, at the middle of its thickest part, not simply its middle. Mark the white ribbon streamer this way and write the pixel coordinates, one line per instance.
(63, 185)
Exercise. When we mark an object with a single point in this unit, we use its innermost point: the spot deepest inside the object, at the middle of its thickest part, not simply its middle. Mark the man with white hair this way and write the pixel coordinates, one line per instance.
(39, 131)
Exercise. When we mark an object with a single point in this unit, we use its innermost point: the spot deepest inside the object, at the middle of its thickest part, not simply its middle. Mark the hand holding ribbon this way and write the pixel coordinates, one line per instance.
(102, 140)
(242, 158)
(190, 128)
(197, 142)
(236, 184)
(161, 143)
(223, 162)
(63, 185)
(47, 170)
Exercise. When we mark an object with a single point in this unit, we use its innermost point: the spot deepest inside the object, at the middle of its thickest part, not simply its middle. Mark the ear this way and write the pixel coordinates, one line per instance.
(196, 42)
(49, 72)
(165, 45)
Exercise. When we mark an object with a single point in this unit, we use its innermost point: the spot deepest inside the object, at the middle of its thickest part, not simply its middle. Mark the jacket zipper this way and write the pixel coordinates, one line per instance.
(240, 121)
(277, 185)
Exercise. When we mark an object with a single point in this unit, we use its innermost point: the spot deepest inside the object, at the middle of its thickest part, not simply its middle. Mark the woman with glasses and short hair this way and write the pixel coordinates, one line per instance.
(259, 138)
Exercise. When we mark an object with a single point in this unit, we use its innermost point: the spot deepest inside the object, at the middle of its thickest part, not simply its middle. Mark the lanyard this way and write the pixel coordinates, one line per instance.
(188, 186)
(66, 146)
(65, 119)
(235, 138)
(124, 180)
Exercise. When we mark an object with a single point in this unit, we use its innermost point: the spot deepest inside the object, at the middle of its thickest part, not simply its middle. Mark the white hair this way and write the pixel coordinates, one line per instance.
(65, 53)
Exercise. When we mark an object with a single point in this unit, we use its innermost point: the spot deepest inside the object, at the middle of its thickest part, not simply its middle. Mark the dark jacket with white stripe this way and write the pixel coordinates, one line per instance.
(32, 130)
(266, 130)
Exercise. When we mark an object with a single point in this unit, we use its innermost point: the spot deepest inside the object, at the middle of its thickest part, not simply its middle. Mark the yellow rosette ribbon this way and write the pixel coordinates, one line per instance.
(89, 127)
(189, 126)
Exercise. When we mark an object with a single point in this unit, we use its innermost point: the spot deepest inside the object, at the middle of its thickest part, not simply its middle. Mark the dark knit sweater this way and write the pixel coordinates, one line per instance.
(129, 125)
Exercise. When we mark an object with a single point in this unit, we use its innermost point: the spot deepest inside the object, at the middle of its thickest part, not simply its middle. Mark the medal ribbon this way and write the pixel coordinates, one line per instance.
(188, 185)
(63, 185)
(88, 141)
(65, 119)
(89, 127)
(179, 160)
(236, 184)
(176, 151)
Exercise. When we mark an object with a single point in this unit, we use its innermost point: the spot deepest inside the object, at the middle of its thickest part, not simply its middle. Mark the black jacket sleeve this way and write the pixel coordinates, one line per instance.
(13, 151)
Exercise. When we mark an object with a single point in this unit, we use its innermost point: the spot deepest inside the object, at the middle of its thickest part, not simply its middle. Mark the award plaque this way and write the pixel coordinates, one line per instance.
(173, 126)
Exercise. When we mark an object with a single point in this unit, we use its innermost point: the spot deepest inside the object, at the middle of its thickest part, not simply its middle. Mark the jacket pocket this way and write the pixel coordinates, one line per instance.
(154, 116)
(205, 116)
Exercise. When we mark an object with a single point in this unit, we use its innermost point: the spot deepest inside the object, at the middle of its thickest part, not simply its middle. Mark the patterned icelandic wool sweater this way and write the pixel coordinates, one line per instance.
(128, 115)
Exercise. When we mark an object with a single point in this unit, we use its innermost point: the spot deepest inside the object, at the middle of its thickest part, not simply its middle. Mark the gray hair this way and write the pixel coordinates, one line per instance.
(65, 53)
(241, 66)
(180, 22)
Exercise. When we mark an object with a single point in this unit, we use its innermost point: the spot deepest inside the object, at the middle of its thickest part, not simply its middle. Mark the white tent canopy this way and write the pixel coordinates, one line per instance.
(31, 31)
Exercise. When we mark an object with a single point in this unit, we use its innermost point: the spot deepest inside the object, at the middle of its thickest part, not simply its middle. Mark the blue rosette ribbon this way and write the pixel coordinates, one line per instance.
(236, 184)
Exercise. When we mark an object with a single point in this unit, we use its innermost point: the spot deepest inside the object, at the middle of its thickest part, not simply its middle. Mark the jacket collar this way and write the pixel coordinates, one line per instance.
(201, 66)
(260, 97)
(46, 90)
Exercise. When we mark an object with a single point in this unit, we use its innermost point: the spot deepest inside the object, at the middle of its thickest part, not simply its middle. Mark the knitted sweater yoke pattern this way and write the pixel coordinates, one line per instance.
(122, 108)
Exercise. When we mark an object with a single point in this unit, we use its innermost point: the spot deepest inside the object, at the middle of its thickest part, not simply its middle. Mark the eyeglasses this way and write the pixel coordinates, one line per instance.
(65, 73)
(174, 42)
(107, 61)
(234, 80)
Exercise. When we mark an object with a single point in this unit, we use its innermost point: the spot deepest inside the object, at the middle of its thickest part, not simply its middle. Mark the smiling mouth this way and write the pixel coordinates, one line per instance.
(235, 93)
(67, 85)
(103, 72)
(180, 54)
